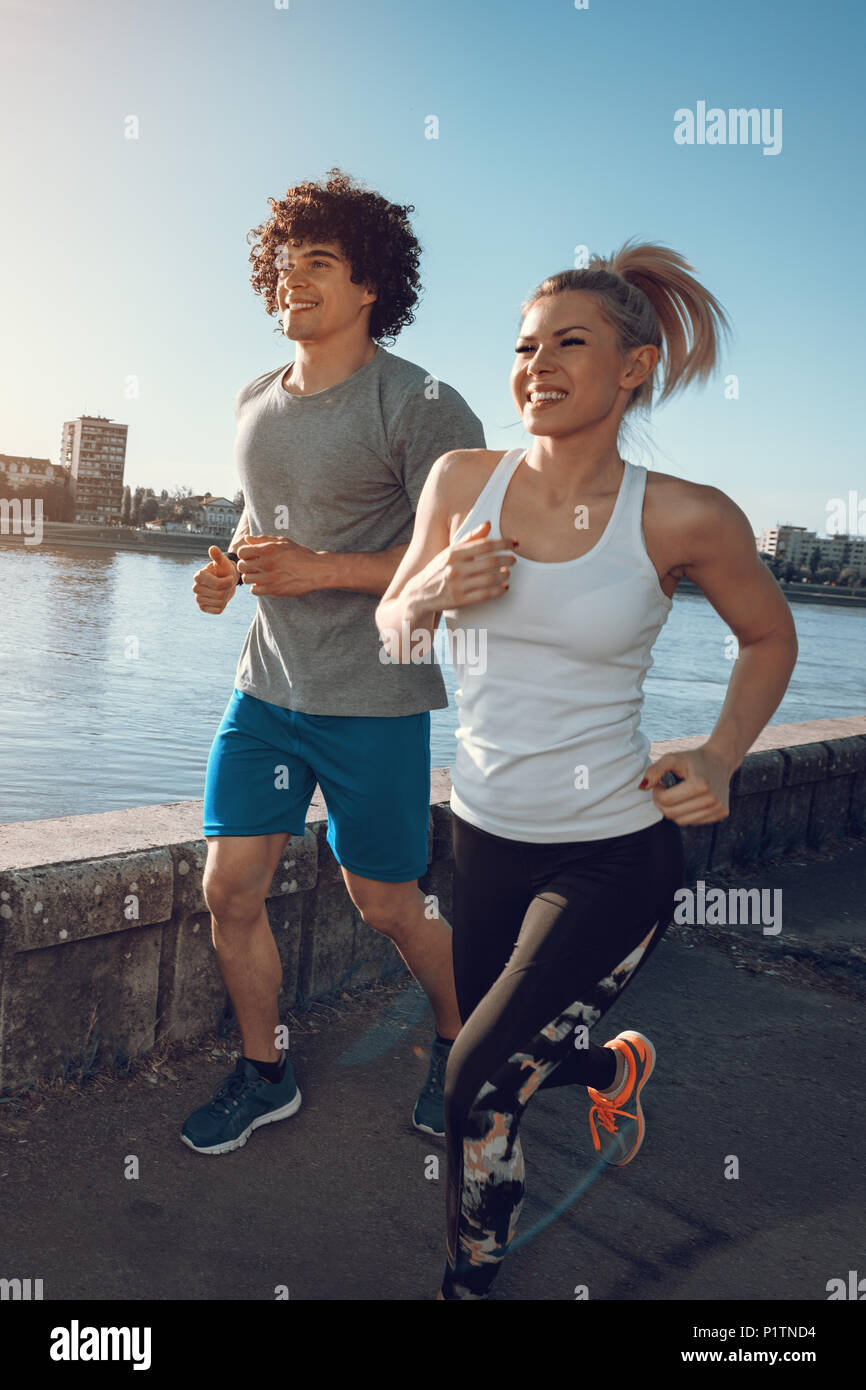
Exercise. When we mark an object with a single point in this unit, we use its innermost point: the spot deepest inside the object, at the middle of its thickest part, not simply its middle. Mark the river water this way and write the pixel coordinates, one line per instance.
(114, 682)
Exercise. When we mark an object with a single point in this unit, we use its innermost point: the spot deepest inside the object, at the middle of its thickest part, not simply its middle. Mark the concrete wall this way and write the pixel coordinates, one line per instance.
(105, 938)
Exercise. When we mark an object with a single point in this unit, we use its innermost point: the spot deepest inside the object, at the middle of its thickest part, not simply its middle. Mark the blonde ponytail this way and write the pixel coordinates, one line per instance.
(646, 292)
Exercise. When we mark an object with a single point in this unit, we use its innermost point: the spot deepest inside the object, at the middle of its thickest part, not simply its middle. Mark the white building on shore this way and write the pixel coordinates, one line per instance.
(219, 516)
(18, 471)
(796, 544)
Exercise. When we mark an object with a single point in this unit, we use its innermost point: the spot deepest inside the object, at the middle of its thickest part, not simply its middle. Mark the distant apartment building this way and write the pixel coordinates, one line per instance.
(796, 544)
(17, 471)
(94, 449)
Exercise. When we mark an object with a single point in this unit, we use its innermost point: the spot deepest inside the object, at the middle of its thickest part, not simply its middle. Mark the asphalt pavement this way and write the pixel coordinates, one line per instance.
(759, 1074)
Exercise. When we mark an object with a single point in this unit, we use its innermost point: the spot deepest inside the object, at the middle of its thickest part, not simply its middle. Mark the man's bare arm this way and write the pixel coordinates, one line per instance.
(276, 567)
(363, 573)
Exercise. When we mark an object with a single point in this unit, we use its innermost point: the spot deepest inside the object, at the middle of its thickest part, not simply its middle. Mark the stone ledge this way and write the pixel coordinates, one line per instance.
(780, 735)
(70, 838)
(59, 903)
(123, 980)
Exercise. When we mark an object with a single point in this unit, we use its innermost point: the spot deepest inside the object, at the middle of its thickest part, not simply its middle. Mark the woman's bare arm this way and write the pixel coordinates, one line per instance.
(434, 575)
(726, 567)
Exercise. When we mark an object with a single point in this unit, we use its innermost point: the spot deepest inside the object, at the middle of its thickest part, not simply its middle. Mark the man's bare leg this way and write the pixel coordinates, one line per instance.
(397, 910)
(237, 877)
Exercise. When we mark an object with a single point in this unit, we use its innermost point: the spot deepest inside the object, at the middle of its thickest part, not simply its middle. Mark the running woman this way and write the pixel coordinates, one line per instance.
(332, 452)
(567, 846)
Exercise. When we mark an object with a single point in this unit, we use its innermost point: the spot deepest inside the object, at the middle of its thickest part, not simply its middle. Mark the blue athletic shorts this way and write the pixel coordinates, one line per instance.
(374, 774)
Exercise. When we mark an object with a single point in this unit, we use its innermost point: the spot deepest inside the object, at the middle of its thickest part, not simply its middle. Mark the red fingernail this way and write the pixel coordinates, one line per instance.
(642, 785)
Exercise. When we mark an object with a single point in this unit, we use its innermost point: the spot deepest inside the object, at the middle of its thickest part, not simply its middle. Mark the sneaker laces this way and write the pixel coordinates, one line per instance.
(605, 1112)
(438, 1063)
(230, 1092)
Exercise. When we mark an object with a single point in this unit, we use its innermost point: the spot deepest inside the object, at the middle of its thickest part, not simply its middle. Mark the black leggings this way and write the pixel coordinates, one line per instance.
(545, 938)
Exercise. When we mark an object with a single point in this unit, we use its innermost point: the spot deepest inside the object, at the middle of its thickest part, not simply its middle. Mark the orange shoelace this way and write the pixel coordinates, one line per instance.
(605, 1113)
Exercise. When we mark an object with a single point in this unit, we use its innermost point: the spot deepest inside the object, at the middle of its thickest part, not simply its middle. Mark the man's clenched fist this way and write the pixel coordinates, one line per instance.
(214, 585)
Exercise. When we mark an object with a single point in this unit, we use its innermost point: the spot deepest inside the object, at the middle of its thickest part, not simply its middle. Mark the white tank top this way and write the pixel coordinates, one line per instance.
(551, 676)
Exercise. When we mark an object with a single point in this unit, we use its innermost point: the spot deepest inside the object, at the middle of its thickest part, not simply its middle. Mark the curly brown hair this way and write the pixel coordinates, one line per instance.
(375, 237)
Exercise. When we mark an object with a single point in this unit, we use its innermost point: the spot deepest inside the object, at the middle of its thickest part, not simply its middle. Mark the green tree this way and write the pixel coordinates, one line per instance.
(183, 507)
(55, 496)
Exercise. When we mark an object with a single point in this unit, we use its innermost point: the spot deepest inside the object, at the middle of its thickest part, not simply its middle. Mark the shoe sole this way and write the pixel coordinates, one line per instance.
(231, 1144)
(425, 1129)
(629, 1037)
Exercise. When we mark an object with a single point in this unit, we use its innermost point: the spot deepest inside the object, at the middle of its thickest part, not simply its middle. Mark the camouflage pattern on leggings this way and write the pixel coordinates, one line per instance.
(485, 1196)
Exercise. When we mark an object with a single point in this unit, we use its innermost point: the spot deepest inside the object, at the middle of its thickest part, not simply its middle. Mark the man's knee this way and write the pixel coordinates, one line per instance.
(389, 908)
(230, 905)
(235, 887)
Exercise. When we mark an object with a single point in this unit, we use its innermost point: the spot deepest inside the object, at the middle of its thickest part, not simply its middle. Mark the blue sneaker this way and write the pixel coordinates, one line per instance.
(240, 1104)
(428, 1114)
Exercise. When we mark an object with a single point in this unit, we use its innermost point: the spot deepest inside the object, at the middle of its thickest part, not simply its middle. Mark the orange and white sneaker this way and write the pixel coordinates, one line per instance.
(621, 1142)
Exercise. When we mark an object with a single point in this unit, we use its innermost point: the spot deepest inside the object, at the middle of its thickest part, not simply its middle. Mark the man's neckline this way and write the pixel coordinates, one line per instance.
(312, 395)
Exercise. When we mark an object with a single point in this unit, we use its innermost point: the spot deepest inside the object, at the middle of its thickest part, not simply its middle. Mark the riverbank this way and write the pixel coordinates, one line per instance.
(74, 533)
(802, 593)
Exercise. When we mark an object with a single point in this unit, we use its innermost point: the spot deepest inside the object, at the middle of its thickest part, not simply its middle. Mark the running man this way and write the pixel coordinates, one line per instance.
(332, 452)
(567, 847)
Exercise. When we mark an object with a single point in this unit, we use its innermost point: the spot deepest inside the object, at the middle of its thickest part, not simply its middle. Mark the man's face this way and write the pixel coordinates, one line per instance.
(315, 293)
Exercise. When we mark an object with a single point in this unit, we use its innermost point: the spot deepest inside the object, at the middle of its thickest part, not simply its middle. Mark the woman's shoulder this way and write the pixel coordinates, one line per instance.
(464, 461)
(684, 501)
(462, 473)
(457, 480)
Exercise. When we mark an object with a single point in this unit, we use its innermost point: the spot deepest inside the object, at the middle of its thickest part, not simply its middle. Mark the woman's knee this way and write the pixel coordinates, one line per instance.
(466, 1087)
(456, 1091)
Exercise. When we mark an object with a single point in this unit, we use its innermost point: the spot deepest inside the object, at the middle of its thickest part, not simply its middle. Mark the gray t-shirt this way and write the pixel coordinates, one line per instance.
(340, 470)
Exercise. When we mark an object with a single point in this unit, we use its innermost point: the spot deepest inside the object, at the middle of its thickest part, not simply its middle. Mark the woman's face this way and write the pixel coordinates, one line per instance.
(567, 372)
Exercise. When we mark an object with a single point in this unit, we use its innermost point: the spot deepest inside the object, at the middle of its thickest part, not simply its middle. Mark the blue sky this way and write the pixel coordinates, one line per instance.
(128, 257)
